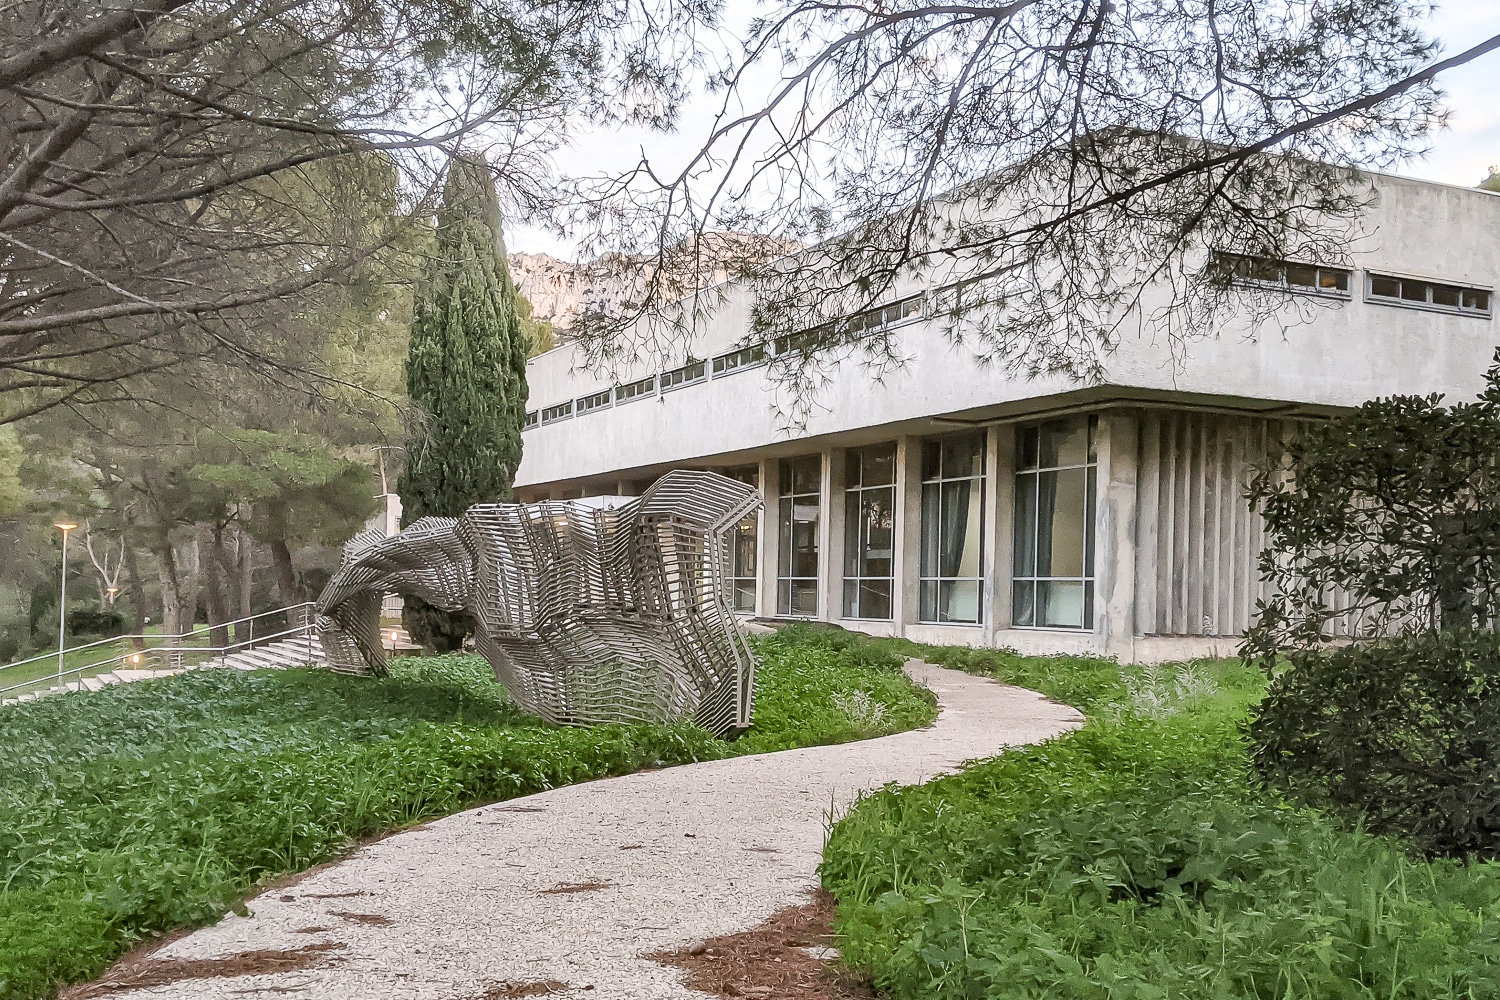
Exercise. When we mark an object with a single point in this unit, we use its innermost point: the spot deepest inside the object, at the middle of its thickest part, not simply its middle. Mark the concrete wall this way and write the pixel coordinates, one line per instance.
(1317, 354)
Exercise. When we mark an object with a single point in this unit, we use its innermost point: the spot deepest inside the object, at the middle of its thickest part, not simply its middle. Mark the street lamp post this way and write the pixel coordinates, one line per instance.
(62, 601)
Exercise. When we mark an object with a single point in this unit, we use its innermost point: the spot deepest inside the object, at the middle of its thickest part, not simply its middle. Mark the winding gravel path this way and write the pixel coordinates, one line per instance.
(449, 910)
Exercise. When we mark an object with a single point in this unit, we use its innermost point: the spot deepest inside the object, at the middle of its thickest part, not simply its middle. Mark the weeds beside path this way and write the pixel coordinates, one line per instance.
(1136, 858)
(144, 807)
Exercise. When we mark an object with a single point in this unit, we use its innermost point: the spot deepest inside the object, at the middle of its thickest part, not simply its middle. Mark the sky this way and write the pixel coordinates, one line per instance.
(1461, 154)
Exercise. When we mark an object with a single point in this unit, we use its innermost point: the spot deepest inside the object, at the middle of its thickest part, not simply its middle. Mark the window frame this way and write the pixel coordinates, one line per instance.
(1427, 305)
(750, 476)
(786, 532)
(649, 381)
(532, 419)
(556, 413)
(1281, 284)
(687, 379)
(740, 359)
(937, 581)
(1090, 527)
(594, 401)
(854, 495)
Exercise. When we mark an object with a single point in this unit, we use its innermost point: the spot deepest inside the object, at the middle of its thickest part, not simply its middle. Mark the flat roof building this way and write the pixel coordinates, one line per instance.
(951, 503)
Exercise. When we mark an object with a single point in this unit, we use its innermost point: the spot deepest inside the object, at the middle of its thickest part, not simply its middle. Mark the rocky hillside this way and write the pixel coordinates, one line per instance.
(560, 291)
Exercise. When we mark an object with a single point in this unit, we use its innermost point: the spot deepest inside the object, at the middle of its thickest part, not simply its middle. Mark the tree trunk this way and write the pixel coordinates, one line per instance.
(171, 588)
(137, 593)
(211, 552)
(190, 571)
(244, 551)
(286, 573)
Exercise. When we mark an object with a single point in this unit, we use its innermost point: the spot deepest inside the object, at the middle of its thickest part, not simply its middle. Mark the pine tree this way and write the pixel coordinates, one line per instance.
(465, 375)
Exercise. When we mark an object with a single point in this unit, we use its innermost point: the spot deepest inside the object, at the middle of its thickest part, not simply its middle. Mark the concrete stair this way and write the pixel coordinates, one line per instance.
(275, 655)
(272, 656)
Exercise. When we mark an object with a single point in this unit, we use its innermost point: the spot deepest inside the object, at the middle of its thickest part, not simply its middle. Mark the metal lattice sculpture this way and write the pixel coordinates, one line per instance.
(588, 613)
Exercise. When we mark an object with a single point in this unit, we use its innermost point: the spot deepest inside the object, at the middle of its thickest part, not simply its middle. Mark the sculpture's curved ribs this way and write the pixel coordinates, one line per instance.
(427, 560)
(588, 614)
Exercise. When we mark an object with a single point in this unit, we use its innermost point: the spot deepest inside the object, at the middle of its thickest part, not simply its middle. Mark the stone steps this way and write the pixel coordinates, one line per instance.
(272, 656)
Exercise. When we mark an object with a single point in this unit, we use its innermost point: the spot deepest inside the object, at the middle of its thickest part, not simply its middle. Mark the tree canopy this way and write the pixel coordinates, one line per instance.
(181, 179)
(466, 363)
(1385, 519)
(1050, 160)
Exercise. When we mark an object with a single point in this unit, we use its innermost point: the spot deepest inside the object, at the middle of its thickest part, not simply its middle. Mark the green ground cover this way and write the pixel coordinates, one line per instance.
(149, 806)
(1136, 858)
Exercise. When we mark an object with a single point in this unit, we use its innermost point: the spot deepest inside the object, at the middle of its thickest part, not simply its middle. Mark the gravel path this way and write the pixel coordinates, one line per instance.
(573, 885)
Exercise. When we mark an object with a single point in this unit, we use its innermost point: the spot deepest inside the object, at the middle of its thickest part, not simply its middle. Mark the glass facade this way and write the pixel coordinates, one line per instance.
(952, 568)
(1053, 578)
(798, 508)
(869, 531)
(744, 544)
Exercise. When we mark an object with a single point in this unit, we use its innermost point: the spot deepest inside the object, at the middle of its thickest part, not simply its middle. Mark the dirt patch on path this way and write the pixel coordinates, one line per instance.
(789, 957)
(144, 972)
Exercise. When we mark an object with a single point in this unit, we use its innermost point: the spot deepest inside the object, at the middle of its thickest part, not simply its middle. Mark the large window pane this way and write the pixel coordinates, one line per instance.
(1024, 551)
(1053, 568)
(804, 540)
(963, 504)
(963, 455)
(869, 531)
(879, 468)
(798, 513)
(1062, 497)
(958, 600)
(744, 545)
(952, 563)
(1061, 603)
(1023, 602)
(1064, 442)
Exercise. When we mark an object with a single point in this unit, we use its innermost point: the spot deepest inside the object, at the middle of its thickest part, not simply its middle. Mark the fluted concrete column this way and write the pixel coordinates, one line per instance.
(1115, 533)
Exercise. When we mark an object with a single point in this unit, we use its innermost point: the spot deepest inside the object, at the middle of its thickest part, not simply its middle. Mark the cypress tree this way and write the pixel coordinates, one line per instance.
(465, 375)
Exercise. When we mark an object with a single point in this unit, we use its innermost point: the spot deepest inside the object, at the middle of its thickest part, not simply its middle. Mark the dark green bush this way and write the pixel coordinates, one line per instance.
(1402, 734)
(104, 622)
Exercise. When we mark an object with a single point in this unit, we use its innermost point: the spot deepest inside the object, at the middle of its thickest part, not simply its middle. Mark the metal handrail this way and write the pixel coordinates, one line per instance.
(173, 649)
(214, 652)
(163, 639)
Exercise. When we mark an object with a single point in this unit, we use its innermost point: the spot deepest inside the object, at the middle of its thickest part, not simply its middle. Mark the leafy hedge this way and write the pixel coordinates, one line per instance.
(145, 807)
(1401, 735)
(1139, 858)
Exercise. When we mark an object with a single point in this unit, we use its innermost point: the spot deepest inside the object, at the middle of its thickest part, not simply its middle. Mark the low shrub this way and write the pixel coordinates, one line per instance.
(1401, 735)
(103, 622)
(1139, 858)
(144, 807)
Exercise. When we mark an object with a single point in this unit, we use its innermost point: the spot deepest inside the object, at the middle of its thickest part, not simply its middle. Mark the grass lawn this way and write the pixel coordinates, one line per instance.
(1136, 859)
(144, 807)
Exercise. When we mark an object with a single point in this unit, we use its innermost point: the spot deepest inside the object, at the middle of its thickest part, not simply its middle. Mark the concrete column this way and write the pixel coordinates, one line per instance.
(831, 536)
(1001, 468)
(1115, 533)
(906, 599)
(768, 542)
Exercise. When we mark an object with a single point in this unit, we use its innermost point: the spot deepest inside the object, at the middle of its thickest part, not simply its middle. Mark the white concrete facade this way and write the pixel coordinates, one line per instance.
(1173, 544)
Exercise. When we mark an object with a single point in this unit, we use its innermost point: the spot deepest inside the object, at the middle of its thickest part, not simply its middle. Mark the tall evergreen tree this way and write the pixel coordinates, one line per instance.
(465, 375)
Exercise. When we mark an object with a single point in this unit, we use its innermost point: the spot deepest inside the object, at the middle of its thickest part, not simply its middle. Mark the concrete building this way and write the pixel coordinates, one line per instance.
(952, 504)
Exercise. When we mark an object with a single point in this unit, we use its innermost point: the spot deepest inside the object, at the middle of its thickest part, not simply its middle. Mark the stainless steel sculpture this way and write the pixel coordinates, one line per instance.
(610, 610)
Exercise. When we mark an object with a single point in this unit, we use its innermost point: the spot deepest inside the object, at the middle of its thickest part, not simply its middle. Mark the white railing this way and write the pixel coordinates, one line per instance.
(194, 648)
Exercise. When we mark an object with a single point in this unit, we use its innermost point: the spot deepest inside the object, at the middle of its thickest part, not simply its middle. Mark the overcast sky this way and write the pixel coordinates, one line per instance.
(1460, 155)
